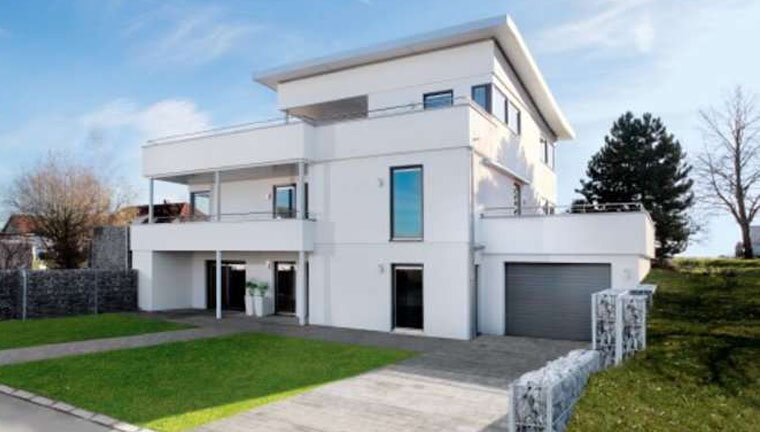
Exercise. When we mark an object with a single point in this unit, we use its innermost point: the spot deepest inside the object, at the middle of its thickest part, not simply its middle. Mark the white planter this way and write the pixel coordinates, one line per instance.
(249, 304)
(263, 306)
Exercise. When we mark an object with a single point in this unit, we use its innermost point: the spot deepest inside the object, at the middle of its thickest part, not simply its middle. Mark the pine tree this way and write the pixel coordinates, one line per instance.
(642, 162)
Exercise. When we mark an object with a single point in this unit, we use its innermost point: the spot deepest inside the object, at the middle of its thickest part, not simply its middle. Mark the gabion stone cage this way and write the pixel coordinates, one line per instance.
(647, 290)
(543, 400)
(618, 324)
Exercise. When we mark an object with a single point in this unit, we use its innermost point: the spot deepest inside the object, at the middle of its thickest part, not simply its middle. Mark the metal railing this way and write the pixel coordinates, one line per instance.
(231, 217)
(549, 210)
(313, 121)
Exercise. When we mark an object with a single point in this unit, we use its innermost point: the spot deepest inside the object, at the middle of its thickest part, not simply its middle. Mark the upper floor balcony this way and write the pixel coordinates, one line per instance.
(305, 135)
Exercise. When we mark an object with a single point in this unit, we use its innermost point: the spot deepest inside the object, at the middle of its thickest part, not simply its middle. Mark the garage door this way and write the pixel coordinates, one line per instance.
(552, 300)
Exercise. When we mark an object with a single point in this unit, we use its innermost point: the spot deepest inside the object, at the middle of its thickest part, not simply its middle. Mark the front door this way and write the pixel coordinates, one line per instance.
(232, 285)
(408, 296)
(285, 288)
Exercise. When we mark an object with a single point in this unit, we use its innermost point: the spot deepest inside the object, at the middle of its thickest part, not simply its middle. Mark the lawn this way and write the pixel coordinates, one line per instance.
(17, 334)
(181, 385)
(702, 366)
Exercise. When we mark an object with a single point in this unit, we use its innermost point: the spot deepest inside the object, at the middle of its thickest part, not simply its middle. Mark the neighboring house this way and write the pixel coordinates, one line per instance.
(20, 246)
(167, 212)
(409, 187)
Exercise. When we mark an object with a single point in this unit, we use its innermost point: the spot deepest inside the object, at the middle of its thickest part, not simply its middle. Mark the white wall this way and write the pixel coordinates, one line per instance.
(164, 279)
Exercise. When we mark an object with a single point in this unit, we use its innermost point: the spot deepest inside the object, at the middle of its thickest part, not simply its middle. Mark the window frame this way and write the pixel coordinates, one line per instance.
(274, 200)
(425, 96)
(192, 203)
(517, 197)
(487, 105)
(392, 236)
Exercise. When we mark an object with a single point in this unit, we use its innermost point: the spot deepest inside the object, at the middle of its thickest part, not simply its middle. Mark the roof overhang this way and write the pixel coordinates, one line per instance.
(501, 29)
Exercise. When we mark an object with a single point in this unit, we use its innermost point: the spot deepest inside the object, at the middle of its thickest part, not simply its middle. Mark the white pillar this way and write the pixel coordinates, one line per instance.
(151, 205)
(300, 192)
(218, 284)
(217, 188)
(301, 289)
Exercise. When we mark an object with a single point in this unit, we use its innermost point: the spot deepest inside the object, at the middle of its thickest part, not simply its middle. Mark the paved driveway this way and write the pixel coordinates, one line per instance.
(17, 415)
(452, 386)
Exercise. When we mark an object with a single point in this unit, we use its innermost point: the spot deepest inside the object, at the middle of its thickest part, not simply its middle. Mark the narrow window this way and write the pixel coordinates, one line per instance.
(481, 95)
(438, 99)
(517, 201)
(406, 203)
(551, 155)
(543, 149)
(284, 202)
(201, 205)
(498, 104)
(514, 117)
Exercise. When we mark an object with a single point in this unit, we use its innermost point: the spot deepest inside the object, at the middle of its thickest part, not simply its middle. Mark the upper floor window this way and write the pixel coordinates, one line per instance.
(547, 151)
(406, 203)
(284, 201)
(481, 95)
(513, 117)
(438, 99)
(517, 199)
(201, 205)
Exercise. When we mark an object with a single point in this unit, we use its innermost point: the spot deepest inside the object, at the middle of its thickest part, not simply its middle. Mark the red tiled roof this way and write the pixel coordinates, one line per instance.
(19, 224)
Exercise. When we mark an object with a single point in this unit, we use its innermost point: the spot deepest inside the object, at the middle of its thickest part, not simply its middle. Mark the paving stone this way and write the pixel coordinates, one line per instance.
(23, 394)
(82, 413)
(61, 406)
(103, 419)
(125, 427)
(44, 401)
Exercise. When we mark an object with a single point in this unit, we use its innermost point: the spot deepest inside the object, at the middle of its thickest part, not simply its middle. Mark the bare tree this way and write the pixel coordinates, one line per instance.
(66, 200)
(15, 252)
(728, 170)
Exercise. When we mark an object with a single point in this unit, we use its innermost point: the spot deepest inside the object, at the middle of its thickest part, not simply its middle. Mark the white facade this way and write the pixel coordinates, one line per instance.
(362, 114)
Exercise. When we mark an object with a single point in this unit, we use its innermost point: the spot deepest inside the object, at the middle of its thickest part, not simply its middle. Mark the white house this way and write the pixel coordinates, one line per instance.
(409, 186)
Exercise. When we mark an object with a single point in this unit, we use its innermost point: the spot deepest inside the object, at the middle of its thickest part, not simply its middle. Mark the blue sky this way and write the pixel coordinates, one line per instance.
(97, 78)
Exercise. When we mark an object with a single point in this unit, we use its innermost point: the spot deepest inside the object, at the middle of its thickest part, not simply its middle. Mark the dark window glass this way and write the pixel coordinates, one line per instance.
(517, 201)
(543, 149)
(438, 99)
(406, 202)
(409, 305)
(284, 201)
(481, 95)
(201, 205)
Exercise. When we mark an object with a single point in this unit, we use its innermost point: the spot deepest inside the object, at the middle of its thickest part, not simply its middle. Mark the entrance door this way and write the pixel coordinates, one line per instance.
(232, 285)
(285, 288)
(408, 296)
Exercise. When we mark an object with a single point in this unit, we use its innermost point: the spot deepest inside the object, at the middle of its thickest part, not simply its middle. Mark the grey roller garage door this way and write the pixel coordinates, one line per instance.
(552, 300)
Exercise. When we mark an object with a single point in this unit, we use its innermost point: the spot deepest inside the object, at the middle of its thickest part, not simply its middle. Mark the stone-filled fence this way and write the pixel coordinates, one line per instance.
(618, 324)
(53, 293)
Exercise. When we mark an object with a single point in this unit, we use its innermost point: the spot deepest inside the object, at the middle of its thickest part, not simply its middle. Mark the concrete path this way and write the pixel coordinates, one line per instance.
(453, 385)
(42, 352)
(18, 415)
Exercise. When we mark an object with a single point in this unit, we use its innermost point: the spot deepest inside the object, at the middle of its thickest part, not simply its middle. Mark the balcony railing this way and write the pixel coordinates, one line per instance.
(317, 121)
(548, 210)
(233, 217)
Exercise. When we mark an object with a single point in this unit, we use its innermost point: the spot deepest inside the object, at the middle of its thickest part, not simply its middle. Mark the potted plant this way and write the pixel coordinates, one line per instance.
(256, 299)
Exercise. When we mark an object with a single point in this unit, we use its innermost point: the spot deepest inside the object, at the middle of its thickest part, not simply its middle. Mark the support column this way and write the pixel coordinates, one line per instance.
(300, 200)
(217, 188)
(301, 289)
(151, 204)
(218, 284)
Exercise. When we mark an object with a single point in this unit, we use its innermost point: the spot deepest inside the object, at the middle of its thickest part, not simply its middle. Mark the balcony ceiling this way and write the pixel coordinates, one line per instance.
(246, 173)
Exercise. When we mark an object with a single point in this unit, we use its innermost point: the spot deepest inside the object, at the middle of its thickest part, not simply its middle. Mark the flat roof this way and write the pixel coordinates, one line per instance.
(501, 29)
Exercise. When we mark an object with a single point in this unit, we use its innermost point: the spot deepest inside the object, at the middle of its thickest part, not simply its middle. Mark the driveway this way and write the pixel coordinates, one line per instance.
(453, 385)
(18, 415)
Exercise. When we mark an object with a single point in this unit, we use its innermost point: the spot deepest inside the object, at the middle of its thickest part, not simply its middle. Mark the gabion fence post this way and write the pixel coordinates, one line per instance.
(23, 294)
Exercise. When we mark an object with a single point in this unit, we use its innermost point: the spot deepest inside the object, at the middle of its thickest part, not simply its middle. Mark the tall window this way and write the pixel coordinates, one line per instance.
(513, 117)
(547, 151)
(438, 99)
(406, 203)
(481, 95)
(201, 205)
(284, 201)
(517, 199)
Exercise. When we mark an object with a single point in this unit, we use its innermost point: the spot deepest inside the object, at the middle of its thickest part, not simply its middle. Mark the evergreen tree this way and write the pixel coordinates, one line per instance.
(642, 162)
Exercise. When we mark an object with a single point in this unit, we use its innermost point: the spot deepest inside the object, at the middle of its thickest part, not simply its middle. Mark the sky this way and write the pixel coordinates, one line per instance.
(95, 79)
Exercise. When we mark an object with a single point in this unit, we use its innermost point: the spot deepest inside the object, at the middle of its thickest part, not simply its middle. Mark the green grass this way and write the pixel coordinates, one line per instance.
(702, 366)
(180, 385)
(17, 334)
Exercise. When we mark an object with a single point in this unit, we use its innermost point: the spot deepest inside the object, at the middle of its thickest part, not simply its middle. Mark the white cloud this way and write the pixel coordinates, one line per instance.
(609, 26)
(190, 37)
